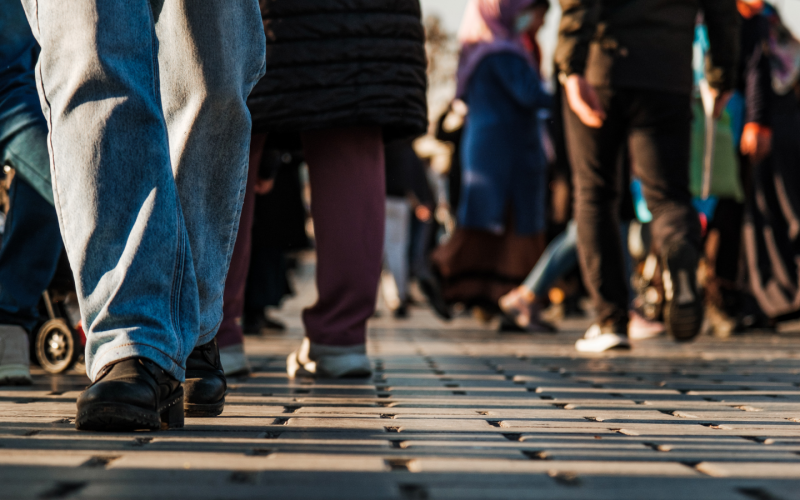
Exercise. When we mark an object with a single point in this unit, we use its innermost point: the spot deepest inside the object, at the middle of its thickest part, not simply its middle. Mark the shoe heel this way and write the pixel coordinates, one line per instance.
(172, 416)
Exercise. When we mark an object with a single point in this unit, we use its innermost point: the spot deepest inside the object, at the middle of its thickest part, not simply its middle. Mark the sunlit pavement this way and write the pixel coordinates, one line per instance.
(453, 411)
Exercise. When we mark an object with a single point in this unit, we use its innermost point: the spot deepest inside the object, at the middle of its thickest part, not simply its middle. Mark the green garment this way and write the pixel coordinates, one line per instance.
(725, 182)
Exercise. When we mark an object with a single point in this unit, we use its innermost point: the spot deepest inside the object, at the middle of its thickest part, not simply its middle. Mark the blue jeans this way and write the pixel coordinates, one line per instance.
(149, 138)
(561, 257)
(31, 241)
(29, 254)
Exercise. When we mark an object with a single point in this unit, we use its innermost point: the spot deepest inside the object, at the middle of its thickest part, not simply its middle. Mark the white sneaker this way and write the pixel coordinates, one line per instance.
(640, 328)
(595, 340)
(14, 356)
(328, 361)
(233, 360)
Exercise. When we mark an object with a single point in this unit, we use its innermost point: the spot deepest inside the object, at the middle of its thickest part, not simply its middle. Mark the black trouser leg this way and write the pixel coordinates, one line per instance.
(594, 155)
(656, 126)
(660, 138)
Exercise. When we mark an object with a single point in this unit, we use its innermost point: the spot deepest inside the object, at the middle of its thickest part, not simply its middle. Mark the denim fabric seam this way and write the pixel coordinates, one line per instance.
(177, 280)
(51, 147)
(235, 225)
(180, 257)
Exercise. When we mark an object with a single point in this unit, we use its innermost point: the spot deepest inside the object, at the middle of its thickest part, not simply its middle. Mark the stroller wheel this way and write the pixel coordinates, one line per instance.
(55, 346)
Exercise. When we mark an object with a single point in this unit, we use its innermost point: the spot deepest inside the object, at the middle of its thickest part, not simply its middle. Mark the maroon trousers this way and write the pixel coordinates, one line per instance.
(348, 203)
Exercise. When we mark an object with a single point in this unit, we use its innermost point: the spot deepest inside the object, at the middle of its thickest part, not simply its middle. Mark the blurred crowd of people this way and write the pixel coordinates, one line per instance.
(157, 203)
(673, 230)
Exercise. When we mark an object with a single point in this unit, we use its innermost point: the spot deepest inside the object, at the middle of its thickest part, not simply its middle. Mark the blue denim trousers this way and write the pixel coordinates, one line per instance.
(149, 137)
(561, 257)
(32, 240)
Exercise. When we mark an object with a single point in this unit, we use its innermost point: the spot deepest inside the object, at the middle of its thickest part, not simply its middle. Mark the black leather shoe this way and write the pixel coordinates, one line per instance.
(130, 395)
(205, 384)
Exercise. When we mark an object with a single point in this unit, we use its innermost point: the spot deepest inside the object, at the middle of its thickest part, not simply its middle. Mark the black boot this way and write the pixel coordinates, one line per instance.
(130, 395)
(205, 384)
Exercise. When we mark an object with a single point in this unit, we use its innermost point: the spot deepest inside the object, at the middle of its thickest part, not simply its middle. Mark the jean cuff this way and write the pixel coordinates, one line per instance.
(133, 350)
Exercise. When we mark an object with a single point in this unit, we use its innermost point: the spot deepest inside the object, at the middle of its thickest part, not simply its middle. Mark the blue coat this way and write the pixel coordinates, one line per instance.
(503, 162)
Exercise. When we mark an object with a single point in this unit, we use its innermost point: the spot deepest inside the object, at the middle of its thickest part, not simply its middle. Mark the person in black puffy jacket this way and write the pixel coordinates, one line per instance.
(343, 77)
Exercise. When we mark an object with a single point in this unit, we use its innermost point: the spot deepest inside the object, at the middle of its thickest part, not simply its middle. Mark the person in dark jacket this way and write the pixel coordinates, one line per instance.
(752, 124)
(342, 78)
(627, 73)
(772, 212)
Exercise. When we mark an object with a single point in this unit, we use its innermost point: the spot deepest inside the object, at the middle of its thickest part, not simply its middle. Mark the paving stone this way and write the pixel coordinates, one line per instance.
(452, 411)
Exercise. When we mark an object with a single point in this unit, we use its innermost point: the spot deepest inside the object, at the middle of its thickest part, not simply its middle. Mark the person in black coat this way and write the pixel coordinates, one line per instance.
(343, 77)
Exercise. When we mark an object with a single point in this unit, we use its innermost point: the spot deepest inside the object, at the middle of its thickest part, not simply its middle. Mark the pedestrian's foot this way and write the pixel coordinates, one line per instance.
(14, 356)
(205, 384)
(401, 312)
(323, 361)
(683, 308)
(720, 324)
(431, 286)
(234, 361)
(640, 328)
(516, 305)
(600, 339)
(255, 322)
(130, 395)
(521, 310)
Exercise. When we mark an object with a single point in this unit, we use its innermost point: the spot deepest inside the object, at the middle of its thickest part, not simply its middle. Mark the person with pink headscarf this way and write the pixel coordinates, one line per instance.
(501, 214)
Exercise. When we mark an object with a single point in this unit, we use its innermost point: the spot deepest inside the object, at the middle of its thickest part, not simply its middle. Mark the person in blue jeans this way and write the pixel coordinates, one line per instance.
(149, 139)
(560, 257)
(31, 240)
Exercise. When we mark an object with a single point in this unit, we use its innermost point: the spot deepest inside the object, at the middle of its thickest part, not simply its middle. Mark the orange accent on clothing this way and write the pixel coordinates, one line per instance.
(757, 128)
(749, 9)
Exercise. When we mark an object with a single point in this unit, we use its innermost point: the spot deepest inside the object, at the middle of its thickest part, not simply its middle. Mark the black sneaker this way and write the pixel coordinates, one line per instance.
(129, 395)
(205, 382)
(683, 301)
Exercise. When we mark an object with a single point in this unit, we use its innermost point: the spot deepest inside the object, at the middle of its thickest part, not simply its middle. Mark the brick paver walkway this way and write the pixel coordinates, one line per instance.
(453, 411)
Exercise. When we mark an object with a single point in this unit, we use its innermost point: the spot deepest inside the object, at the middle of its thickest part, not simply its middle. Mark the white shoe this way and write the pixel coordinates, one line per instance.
(595, 340)
(640, 328)
(233, 360)
(14, 356)
(328, 361)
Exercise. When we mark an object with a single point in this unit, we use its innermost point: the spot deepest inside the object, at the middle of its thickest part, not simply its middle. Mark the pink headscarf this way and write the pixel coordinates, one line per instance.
(488, 28)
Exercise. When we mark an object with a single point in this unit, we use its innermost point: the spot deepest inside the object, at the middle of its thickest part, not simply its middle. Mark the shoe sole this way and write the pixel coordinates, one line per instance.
(683, 322)
(196, 410)
(121, 417)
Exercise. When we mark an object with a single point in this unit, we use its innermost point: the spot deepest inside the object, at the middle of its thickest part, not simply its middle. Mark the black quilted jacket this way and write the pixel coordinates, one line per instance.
(335, 63)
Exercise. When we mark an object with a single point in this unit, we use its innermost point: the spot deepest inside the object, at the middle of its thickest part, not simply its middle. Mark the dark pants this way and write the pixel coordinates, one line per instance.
(348, 204)
(29, 254)
(656, 126)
